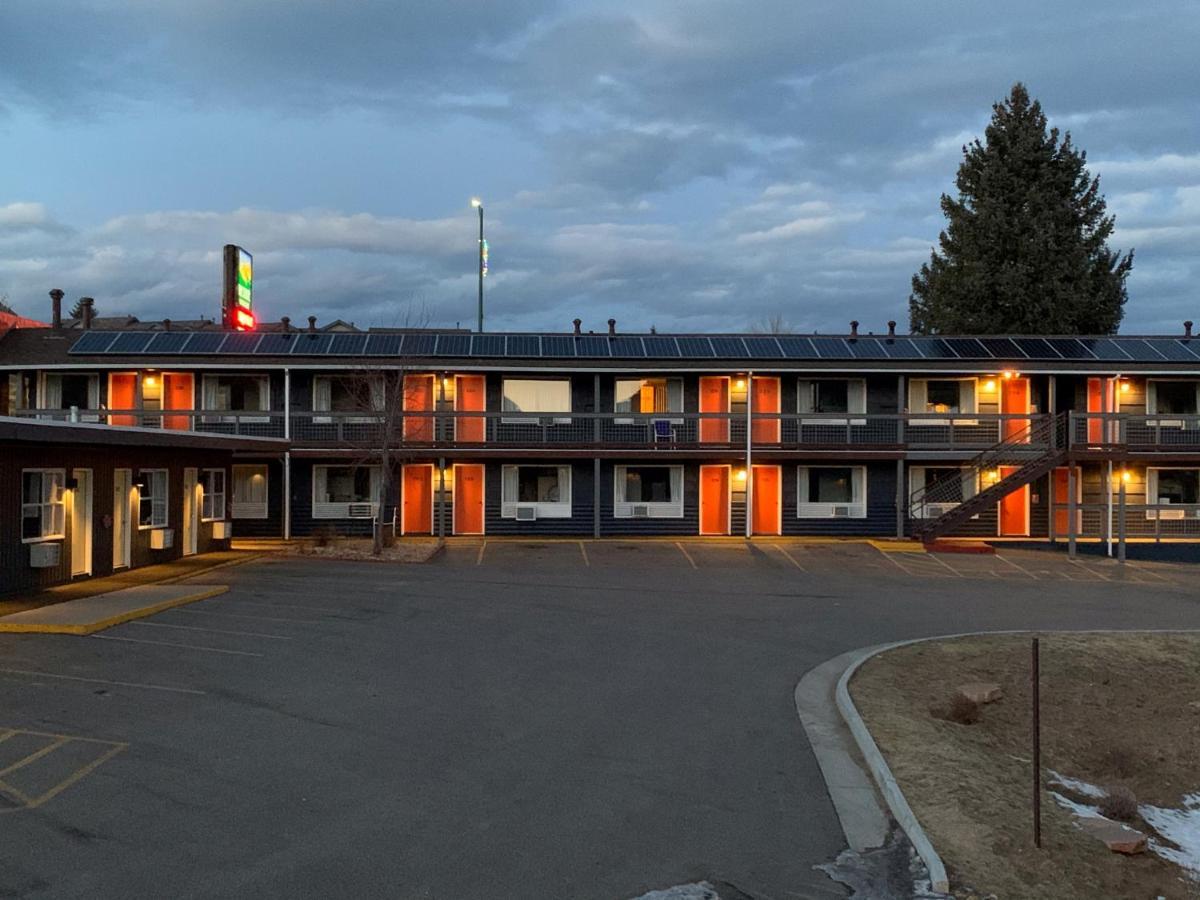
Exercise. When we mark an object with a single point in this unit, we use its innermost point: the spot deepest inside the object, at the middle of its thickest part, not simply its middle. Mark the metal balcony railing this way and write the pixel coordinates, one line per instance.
(1161, 432)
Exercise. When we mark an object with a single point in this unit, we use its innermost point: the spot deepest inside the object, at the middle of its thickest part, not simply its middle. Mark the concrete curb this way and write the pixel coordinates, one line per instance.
(100, 625)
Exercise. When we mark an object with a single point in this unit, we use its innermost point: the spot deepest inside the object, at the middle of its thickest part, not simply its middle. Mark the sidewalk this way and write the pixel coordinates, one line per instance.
(87, 615)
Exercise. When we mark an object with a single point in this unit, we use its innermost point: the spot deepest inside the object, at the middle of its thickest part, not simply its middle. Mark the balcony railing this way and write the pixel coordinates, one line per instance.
(1158, 433)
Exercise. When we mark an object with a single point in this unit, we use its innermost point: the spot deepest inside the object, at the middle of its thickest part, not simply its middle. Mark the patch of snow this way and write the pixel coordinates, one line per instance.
(1083, 810)
(1180, 827)
(701, 890)
(1080, 787)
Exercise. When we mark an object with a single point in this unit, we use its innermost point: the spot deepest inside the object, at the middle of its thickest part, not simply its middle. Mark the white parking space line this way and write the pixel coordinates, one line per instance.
(946, 565)
(1089, 570)
(482, 548)
(273, 637)
(1022, 569)
(129, 684)
(113, 637)
(890, 557)
(686, 555)
(225, 615)
(583, 550)
(789, 557)
(317, 609)
(1142, 568)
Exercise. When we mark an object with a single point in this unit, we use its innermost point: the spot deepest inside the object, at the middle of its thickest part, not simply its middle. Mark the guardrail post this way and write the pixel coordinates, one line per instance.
(1072, 512)
(901, 496)
(1121, 523)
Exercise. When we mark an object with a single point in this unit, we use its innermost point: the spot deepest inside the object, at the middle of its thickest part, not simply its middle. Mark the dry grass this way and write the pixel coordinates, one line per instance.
(1115, 709)
(1119, 803)
(406, 551)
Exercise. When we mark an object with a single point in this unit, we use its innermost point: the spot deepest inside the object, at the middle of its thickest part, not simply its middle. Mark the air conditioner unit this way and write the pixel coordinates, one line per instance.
(841, 512)
(222, 530)
(641, 511)
(360, 511)
(526, 514)
(1166, 514)
(162, 538)
(933, 510)
(45, 555)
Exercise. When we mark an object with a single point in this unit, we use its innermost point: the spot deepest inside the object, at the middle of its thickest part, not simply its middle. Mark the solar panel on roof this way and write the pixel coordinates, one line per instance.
(698, 347)
(1002, 348)
(904, 348)
(867, 348)
(1035, 348)
(240, 342)
(763, 347)
(967, 348)
(627, 347)
(1192, 347)
(347, 344)
(130, 342)
(830, 348)
(453, 345)
(93, 342)
(418, 344)
(661, 347)
(487, 345)
(271, 344)
(935, 348)
(204, 342)
(524, 345)
(310, 344)
(728, 347)
(167, 342)
(1107, 349)
(1070, 348)
(797, 348)
(1172, 349)
(382, 345)
(591, 345)
(558, 345)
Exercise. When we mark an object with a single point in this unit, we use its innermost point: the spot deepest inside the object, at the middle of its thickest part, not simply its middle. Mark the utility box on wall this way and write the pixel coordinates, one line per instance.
(162, 538)
(45, 554)
(222, 530)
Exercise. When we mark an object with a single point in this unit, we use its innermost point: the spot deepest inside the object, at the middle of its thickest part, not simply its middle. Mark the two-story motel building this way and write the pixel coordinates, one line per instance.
(652, 434)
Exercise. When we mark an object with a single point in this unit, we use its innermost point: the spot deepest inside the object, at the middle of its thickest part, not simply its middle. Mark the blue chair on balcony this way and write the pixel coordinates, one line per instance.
(664, 431)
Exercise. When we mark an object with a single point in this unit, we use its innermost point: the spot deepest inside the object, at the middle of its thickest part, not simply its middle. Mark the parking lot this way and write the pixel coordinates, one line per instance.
(514, 719)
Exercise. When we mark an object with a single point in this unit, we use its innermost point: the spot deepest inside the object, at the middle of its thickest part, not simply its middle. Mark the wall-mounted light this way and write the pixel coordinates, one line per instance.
(740, 474)
(740, 384)
(1126, 475)
(1009, 375)
(151, 381)
(989, 385)
(1124, 387)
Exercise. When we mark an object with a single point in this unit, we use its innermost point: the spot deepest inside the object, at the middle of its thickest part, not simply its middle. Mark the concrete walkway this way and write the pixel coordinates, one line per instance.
(91, 614)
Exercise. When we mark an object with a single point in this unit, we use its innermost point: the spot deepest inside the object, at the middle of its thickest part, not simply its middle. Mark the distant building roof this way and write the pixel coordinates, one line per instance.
(12, 320)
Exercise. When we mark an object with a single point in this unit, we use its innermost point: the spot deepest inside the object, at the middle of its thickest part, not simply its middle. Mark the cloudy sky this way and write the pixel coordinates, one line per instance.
(693, 165)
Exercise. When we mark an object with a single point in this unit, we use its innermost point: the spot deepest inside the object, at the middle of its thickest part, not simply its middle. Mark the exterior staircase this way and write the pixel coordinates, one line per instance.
(1031, 452)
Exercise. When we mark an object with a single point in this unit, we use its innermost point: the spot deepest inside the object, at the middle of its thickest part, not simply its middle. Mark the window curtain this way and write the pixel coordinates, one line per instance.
(804, 395)
(52, 391)
(509, 483)
(966, 395)
(918, 398)
(530, 395)
(856, 396)
(377, 394)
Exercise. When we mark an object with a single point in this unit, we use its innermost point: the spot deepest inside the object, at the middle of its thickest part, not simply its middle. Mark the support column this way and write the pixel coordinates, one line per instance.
(287, 456)
(749, 455)
(1121, 523)
(441, 504)
(901, 493)
(1072, 510)
(901, 498)
(596, 497)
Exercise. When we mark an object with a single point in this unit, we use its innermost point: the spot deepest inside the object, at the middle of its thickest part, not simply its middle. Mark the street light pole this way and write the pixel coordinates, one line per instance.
(478, 204)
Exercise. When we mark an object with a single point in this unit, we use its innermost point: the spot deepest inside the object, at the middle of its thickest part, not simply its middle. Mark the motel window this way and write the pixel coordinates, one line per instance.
(944, 486)
(212, 507)
(536, 395)
(249, 492)
(831, 492)
(648, 395)
(63, 390)
(826, 396)
(941, 395)
(1180, 398)
(345, 492)
(152, 498)
(20, 391)
(1173, 485)
(650, 491)
(236, 393)
(536, 492)
(348, 395)
(43, 512)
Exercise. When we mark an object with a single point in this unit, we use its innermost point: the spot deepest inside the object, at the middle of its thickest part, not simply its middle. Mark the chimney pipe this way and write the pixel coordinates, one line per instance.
(578, 323)
(85, 304)
(1187, 328)
(56, 308)
(612, 326)
(891, 328)
(854, 328)
(287, 323)
(312, 323)
(166, 324)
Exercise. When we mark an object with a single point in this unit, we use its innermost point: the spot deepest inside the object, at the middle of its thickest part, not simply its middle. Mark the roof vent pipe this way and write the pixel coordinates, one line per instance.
(891, 329)
(56, 308)
(166, 324)
(854, 328)
(85, 306)
(1187, 328)
(286, 322)
(312, 323)
(612, 326)
(578, 323)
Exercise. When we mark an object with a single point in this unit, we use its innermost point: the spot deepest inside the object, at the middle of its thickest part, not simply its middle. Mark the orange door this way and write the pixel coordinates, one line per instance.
(122, 394)
(765, 490)
(1095, 404)
(418, 397)
(177, 394)
(1062, 516)
(470, 396)
(1014, 508)
(714, 398)
(714, 499)
(417, 517)
(1014, 399)
(766, 400)
(468, 499)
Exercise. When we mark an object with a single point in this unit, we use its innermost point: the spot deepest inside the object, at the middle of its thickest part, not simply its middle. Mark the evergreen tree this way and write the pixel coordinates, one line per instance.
(77, 310)
(1024, 250)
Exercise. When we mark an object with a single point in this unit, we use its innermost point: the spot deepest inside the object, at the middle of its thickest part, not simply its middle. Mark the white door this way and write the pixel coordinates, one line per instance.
(81, 522)
(122, 534)
(191, 511)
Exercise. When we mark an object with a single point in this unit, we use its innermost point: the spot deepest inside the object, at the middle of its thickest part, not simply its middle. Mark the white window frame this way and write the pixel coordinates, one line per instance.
(560, 509)
(322, 391)
(534, 416)
(209, 501)
(856, 508)
(55, 505)
(623, 509)
(44, 391)
(325, 509)
(916, 481)
(208, 390)
(968, 399)
(856, 401)
(1152, 498)
(674, 386)
(160, 509)
(249, 509)
(1192, 420)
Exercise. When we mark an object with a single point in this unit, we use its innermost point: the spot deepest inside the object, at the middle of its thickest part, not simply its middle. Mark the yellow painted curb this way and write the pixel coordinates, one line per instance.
(92, 627)
(898, 546)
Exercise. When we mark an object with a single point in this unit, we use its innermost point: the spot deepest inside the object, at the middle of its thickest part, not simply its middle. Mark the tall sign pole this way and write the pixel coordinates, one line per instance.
(237, 295)
(483, 260)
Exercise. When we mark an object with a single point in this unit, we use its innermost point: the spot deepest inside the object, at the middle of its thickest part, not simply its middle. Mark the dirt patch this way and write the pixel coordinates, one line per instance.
(408, 551)
(1116, 710)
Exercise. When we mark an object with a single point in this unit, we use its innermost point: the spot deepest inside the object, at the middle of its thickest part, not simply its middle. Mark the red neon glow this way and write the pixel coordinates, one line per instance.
(243, 320)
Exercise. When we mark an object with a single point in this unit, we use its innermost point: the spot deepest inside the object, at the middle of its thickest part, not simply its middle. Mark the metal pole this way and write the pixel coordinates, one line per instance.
(596, 497)
(1108, 510)
(749, 454)
(441, 517)
(1072, 511)
(480, 329)
(1121, 522)
(1037, 747)
(901, 498)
